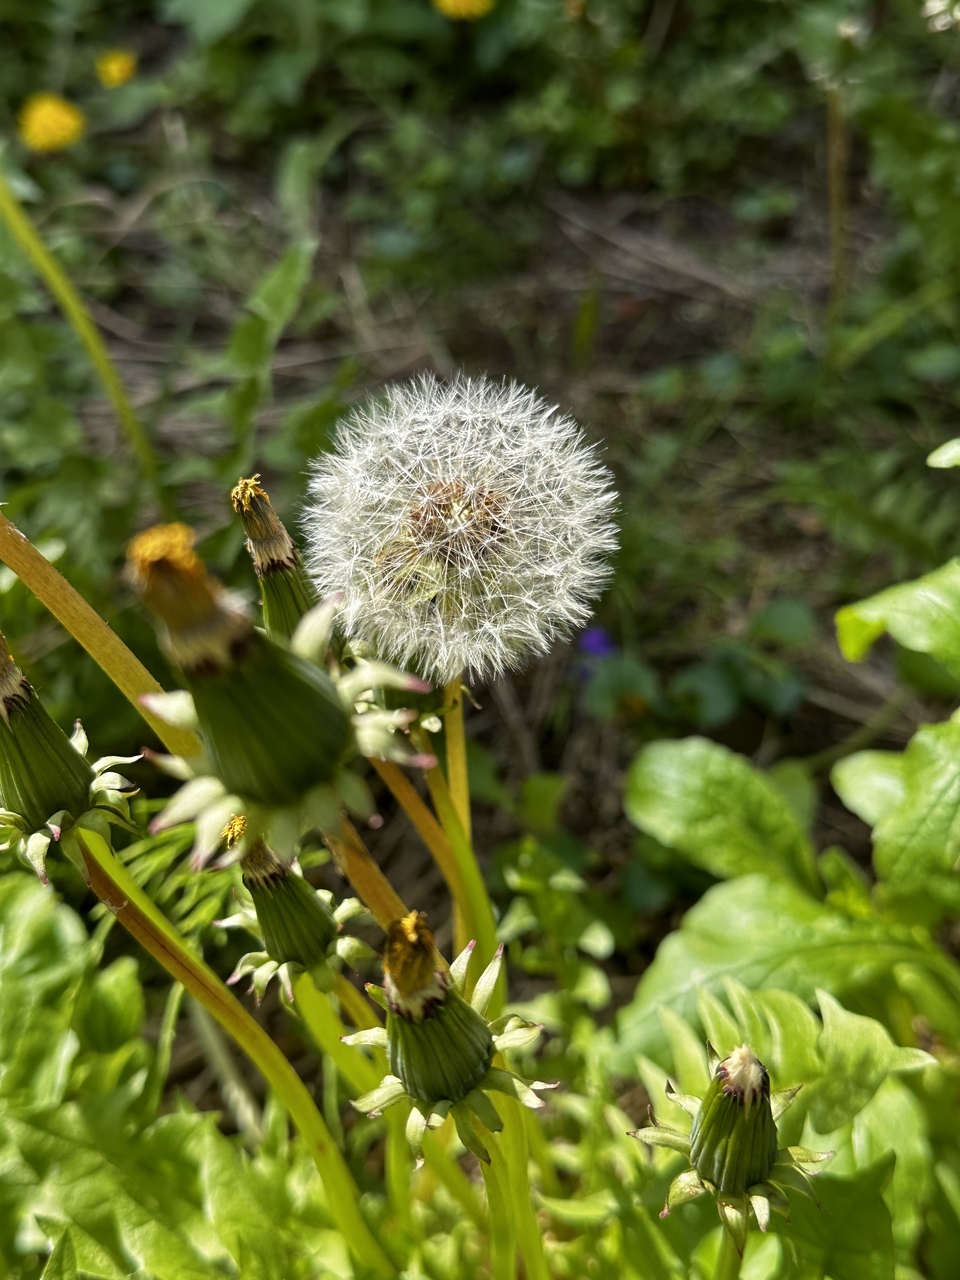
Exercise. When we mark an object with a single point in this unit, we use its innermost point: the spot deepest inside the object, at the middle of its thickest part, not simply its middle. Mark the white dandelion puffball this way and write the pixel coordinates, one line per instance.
(467, 525)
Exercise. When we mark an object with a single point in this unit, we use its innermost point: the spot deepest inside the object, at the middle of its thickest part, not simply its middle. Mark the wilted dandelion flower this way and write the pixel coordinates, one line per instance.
(464, 10)
(467, 525)
(115, 67)
(48, 122)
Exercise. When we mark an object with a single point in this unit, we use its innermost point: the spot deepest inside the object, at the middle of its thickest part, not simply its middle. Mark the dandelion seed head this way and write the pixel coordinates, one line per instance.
(467, 524)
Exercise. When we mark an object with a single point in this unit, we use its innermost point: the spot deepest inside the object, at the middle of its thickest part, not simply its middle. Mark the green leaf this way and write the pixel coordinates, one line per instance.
(276, 298)
(762, 933)
(917, 840)
(712, 806)
(91, 1259)
(62, 1263)
(923, 615)
(893, 1120)
(851, 1237)
(870, 783)
(857, 1055)
(121, 1193)
(209, 21)
(948, 455)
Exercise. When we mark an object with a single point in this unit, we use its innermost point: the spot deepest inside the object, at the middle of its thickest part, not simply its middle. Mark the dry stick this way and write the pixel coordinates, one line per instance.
(87, 627)
(116, 888)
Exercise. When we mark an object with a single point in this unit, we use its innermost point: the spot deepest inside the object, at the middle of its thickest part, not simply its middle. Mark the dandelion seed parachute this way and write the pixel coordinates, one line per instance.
(467, 525)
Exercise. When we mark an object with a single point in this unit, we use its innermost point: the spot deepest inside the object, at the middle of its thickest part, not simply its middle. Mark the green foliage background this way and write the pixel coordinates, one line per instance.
(627, 203)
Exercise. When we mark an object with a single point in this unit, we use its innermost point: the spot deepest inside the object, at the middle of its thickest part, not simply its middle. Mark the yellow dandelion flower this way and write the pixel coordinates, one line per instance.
(115, 67)
(464, 10)
(48, 122)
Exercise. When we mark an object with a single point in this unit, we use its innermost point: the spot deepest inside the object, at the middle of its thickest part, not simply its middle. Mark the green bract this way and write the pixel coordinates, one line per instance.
(47, 786)
(441, 1061)
(732, 1146)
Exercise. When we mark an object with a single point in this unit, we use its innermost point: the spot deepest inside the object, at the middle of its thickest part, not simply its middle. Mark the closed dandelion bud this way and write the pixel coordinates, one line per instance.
(439, 1046)
(41, 773)
(285, 588)
(273, 724)
(295, 923)
(733, 1140)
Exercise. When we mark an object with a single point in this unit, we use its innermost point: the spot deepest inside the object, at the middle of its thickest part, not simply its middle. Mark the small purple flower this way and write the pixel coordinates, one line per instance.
(596, 642)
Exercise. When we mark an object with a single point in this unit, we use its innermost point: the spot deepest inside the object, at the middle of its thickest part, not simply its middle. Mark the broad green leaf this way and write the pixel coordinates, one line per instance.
(923, 614)
(132, 1198)
(720, 1028)
(857, 1055)
(244, 1209)
(851, 1237)
(870, 783)
(91, 1258)
(763, 933)
(893, 1120)
(209, 21)
(917, 840)
(687, 1053)
(62, 1263)
(712, 806)
(44, 952)
(948, 455)
(276, 298)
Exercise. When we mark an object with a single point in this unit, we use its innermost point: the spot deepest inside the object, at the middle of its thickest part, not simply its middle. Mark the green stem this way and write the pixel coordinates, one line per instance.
(60, 286)
(450, 1176)
(456, 742)
(476, 908)
(115, 887)
(728, 1259)
(513, 1141)
(362, 1075)
(326, 1028)
(500, 1209)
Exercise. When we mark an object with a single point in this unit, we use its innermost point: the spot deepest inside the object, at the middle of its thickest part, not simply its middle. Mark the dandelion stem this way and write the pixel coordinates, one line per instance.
(477, 912)
(513, 1141)
(117, 889)
(362, 1075)
(500, 1209)
(426, 826)
(60, 286)
(355, 861)
(326, 1028)
(87, 627)
(456, 743)
(728, 1259)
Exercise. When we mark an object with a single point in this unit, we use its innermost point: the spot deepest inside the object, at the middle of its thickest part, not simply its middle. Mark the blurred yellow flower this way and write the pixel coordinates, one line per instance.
(115, 67)
(464, 10)
(48, 122)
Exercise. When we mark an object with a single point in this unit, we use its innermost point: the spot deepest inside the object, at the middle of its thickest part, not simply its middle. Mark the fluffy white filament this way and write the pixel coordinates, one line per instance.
(467, 525)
